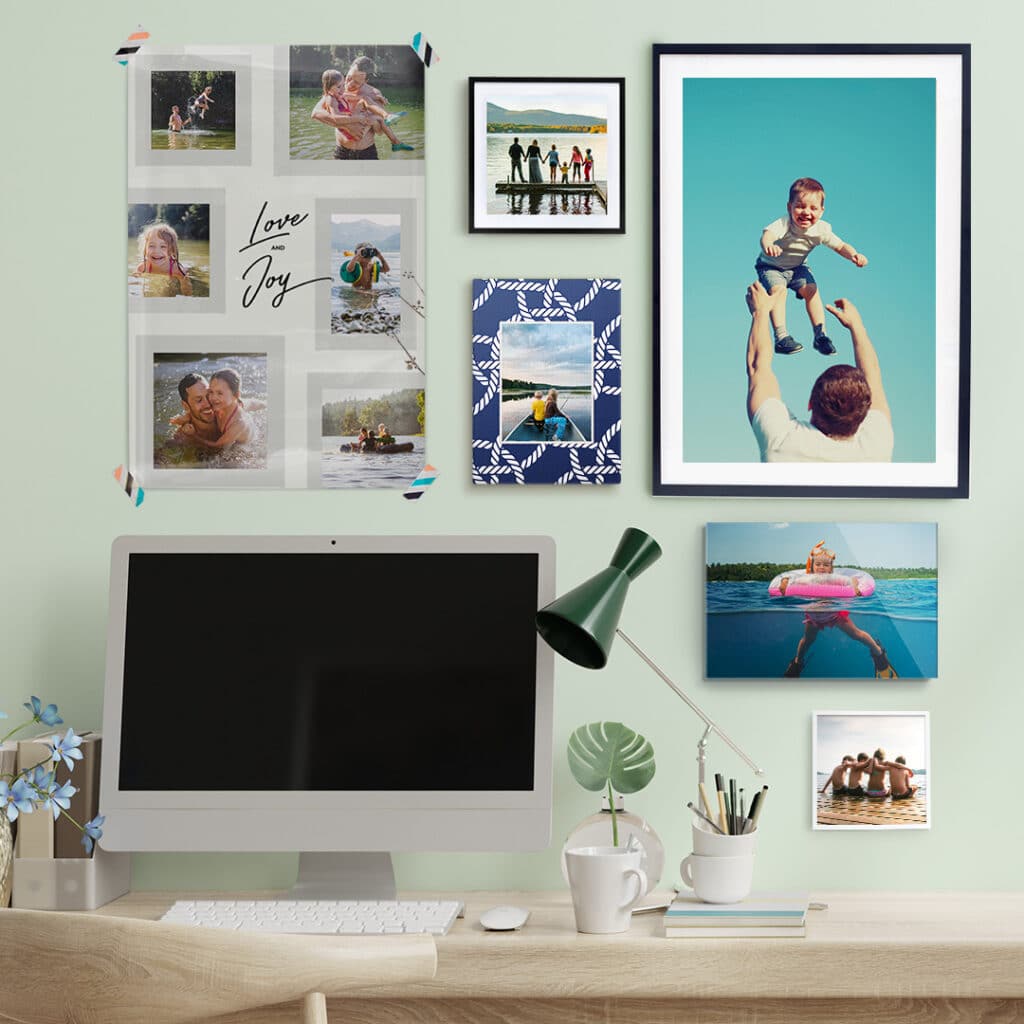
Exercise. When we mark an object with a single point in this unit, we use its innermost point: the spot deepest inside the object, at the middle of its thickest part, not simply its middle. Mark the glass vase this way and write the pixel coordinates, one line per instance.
(597, 831)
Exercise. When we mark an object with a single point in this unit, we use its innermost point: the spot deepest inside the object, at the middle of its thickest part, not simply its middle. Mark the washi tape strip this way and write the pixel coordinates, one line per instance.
(424, 50)
(131, 46)
(127, 481)
(428, 474)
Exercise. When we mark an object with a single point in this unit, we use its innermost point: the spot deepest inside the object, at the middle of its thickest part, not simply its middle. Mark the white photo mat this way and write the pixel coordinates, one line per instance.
(673, 474)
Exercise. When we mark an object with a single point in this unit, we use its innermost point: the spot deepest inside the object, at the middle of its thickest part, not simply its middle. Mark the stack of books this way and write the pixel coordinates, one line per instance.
(760, 916)
(38, 835)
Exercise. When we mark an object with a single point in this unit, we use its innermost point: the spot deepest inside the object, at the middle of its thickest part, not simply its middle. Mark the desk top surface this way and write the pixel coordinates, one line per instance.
(867, 944)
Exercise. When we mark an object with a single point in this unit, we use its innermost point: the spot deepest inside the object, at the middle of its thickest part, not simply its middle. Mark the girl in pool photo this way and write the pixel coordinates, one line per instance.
(158, 255)
(824, 615)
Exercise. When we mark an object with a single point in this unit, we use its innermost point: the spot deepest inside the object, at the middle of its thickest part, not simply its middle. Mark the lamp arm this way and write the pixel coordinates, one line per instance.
(686, 700)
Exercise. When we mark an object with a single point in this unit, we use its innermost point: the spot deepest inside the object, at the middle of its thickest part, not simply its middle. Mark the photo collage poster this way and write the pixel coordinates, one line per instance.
(275, 258)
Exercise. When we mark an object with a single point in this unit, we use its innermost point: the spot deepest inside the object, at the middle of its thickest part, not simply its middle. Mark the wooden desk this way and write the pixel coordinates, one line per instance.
(871, 957)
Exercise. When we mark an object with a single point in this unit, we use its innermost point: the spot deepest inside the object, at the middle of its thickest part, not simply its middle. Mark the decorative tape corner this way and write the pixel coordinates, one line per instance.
(424, 50)
(131, 46)
(428, 474)
(131, 488)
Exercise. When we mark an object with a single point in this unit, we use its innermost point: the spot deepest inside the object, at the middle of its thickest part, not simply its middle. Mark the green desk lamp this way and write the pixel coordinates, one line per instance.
(582, 624)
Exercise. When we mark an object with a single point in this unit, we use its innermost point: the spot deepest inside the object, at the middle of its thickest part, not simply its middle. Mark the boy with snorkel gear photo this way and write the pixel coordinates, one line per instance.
(785, 245)
(364, 267)
(822, 615)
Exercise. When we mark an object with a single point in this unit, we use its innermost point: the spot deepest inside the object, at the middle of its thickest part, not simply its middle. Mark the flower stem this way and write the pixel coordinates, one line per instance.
(615, 821)
(16, 729)
(64, 814)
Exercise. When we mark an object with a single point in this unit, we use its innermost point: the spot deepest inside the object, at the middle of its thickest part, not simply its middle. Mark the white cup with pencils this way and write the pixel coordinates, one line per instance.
(723, 831)
(729, 818)
(718, 879)
(709, 843)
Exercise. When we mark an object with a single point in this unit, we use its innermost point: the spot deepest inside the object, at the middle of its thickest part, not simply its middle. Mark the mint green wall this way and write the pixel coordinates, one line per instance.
(65, 417)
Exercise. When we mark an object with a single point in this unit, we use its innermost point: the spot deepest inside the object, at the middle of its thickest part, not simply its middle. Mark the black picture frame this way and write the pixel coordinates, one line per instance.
(612, 196)
(948, 476)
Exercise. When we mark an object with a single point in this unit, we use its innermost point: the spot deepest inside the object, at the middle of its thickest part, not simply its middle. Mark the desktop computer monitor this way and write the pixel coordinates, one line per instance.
(343, 697)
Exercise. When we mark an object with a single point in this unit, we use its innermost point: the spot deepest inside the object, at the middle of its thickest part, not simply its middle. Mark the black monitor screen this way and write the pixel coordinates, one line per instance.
(340, 671)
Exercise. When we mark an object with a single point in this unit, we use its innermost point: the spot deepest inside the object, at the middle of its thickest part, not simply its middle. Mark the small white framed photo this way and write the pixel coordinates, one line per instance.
(871, 770)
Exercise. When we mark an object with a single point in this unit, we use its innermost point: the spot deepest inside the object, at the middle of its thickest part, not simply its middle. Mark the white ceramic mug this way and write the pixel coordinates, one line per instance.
(606, 883)
(718, 879)
(713, 844)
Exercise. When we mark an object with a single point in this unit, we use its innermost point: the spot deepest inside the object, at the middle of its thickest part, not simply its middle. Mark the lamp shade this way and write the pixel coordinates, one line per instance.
(580, 625)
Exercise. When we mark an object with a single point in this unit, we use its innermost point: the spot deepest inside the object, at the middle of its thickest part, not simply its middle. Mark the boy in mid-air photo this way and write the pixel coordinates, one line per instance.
(785, 245)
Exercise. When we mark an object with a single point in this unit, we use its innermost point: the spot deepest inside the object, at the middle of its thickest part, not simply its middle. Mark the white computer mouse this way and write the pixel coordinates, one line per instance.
(504, 919)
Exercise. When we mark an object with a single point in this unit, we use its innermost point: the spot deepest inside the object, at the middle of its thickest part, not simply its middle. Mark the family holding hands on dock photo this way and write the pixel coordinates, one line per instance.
(578, 162)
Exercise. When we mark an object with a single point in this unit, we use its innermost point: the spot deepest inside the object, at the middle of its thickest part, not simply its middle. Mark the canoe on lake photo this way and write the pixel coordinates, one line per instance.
(526, 431)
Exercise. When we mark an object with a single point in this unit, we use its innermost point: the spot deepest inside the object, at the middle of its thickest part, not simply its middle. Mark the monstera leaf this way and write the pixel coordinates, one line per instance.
(610, 754)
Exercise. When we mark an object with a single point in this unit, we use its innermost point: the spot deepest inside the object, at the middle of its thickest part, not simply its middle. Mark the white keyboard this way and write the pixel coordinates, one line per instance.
(320, 917)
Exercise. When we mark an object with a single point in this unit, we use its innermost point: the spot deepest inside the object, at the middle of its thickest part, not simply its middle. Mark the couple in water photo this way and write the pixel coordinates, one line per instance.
(209, 416)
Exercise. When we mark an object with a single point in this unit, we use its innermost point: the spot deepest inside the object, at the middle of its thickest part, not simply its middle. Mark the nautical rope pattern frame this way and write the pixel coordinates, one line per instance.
(596, 459)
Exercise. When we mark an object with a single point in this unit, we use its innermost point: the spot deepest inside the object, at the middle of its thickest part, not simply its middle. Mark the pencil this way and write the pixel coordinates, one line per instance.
(704, 799)
(723, 821)
(700, 814)
(732, 808)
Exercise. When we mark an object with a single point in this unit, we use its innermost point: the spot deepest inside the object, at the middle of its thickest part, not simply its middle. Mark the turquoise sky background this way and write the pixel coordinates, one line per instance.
(881, 545)
(871, 143)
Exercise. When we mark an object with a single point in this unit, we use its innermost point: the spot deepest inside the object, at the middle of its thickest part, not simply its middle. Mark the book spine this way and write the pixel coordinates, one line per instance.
(742, 922)
(735, 933)
(8, 760)
(67, 839)
(35, 830)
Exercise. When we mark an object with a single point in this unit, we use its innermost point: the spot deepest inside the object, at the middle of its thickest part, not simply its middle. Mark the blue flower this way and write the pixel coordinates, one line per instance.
(16, 799)
(47, 715)
(49, 795)
(67, 749)
(92, 831)
(60, 798)
(41, 778)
